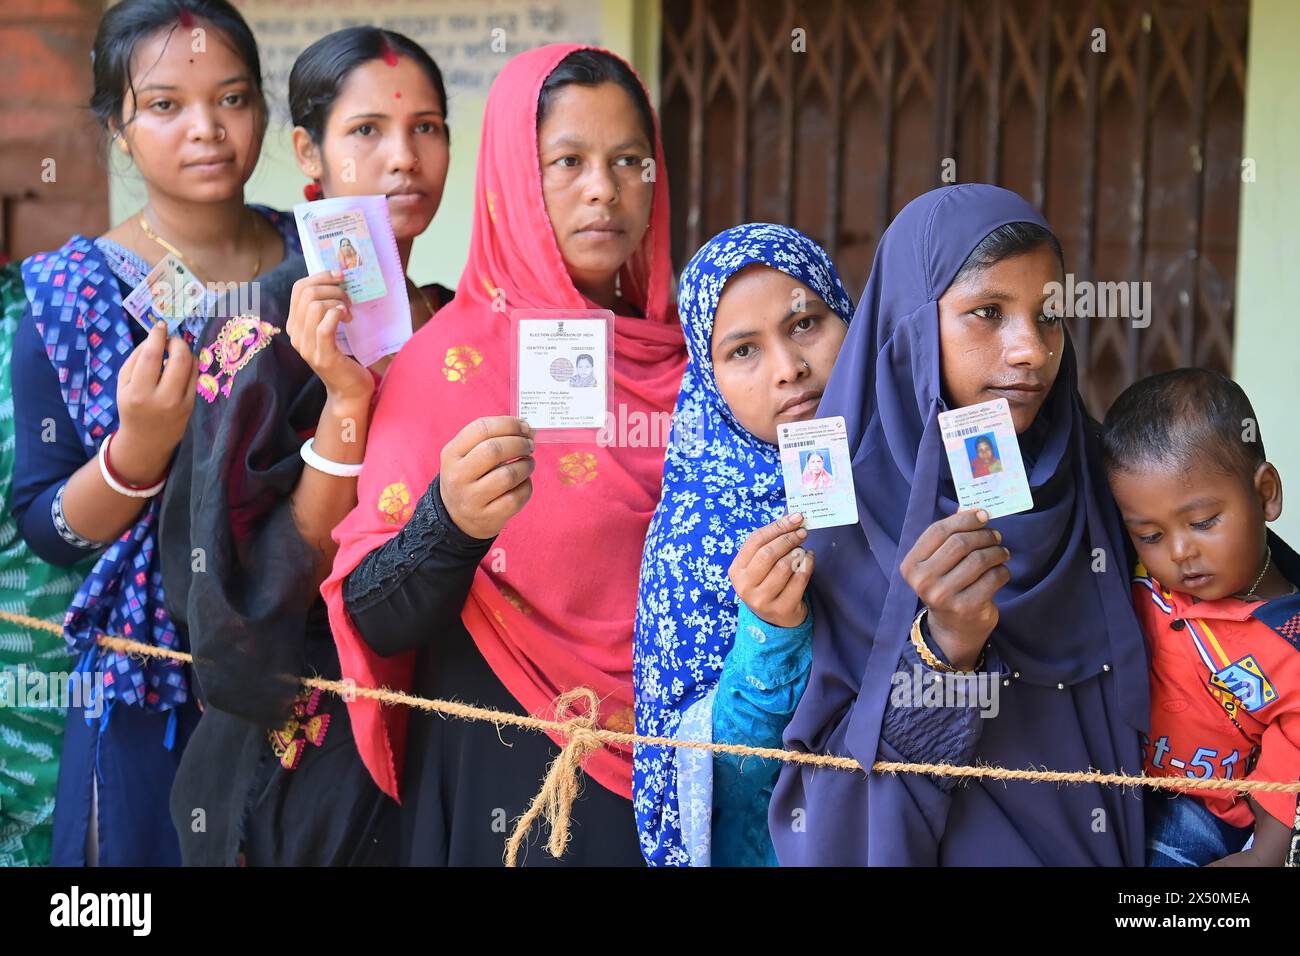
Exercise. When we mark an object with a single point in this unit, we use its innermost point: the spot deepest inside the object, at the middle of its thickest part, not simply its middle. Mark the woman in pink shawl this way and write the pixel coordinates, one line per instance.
(445, 582)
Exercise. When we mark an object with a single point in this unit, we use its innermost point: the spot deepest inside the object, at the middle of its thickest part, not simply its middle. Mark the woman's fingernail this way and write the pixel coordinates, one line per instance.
(997, 535)
(802, 533)
(982, 515)
(796, 518)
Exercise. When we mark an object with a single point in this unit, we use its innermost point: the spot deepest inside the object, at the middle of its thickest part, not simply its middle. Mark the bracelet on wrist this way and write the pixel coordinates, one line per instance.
(64, 529)
(325, 465)
(114, 480)
(928, 657)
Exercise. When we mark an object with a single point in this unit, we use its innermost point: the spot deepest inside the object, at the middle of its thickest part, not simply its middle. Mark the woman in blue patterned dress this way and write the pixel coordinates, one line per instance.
(764, 314)
(101, 404)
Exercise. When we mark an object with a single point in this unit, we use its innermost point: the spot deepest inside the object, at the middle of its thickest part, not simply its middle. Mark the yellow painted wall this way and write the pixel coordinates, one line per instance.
(1267, 337)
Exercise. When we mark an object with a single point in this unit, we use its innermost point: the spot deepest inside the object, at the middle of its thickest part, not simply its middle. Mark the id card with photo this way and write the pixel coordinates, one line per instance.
(343, 242)
(984, 456)
(354, 235)
(560, 371)
(817, 471)
(169, 294)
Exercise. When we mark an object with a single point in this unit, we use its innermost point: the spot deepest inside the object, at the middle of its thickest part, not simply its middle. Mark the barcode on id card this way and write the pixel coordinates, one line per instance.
(800, 444)
(961, 432)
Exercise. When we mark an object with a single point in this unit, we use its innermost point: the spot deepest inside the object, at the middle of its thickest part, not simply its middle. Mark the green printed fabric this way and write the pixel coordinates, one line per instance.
(31, 736)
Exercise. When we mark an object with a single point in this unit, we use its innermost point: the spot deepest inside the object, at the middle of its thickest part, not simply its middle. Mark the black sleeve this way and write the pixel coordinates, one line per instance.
(402, 593)
(237, 574)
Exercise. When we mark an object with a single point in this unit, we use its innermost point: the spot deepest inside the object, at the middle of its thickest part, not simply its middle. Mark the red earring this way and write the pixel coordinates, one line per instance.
(312, 191)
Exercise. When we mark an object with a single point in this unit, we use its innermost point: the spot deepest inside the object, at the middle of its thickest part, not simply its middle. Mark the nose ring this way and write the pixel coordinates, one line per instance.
(221, 134)
(806, 365)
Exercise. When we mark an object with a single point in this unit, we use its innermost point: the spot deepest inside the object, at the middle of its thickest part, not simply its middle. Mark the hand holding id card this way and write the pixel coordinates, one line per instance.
(818, 473)
(984, 456)
(561, 367)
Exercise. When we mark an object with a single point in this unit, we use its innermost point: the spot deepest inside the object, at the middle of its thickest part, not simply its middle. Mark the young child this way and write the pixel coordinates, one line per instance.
(1216, 594)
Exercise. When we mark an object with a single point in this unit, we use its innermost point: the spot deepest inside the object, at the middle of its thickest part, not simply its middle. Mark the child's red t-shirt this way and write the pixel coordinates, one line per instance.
(1225, 694)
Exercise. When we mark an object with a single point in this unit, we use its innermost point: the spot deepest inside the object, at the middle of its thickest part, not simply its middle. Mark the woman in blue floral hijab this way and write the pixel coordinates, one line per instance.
(721, 483)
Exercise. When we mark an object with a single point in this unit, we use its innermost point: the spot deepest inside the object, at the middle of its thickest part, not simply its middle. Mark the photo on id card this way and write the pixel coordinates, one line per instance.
(984, 456)
(817, 472)
(343, 242)
(560, 372)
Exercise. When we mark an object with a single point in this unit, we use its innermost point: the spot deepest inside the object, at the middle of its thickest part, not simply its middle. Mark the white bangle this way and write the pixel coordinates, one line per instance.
(116, 485)
(325, 465)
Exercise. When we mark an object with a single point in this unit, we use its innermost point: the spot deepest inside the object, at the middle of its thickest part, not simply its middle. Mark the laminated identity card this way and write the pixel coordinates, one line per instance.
(169, 294)
(817, 471)
(984, 456)
(561, 369)
(353, 234)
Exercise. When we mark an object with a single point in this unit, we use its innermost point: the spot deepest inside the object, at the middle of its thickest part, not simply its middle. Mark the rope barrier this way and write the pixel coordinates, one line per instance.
(583, 736)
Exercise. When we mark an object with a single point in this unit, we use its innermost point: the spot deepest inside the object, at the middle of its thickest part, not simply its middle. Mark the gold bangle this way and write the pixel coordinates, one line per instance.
(928, 657)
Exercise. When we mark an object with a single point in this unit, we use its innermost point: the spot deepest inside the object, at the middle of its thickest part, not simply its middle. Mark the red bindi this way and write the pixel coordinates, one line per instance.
(397, 95)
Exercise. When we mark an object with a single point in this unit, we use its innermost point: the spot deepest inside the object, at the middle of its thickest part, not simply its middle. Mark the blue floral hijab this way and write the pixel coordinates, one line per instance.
(720, 484)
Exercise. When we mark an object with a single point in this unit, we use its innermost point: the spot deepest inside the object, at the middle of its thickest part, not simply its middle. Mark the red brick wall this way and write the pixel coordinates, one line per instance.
(45, 65)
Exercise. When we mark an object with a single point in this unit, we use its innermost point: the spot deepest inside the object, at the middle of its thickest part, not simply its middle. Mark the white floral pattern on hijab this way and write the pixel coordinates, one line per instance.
(717, 489)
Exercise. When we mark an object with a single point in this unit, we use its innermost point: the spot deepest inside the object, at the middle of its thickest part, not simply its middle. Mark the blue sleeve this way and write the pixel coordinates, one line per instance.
(915, 727)
(762, 679)
(48, 450)
(915, 730)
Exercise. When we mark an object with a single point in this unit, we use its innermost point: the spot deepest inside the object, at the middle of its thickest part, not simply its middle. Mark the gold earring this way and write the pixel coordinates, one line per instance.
(122, 144)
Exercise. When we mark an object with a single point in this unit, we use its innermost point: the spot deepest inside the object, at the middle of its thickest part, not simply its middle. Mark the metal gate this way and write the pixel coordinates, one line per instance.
(1121, 120)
